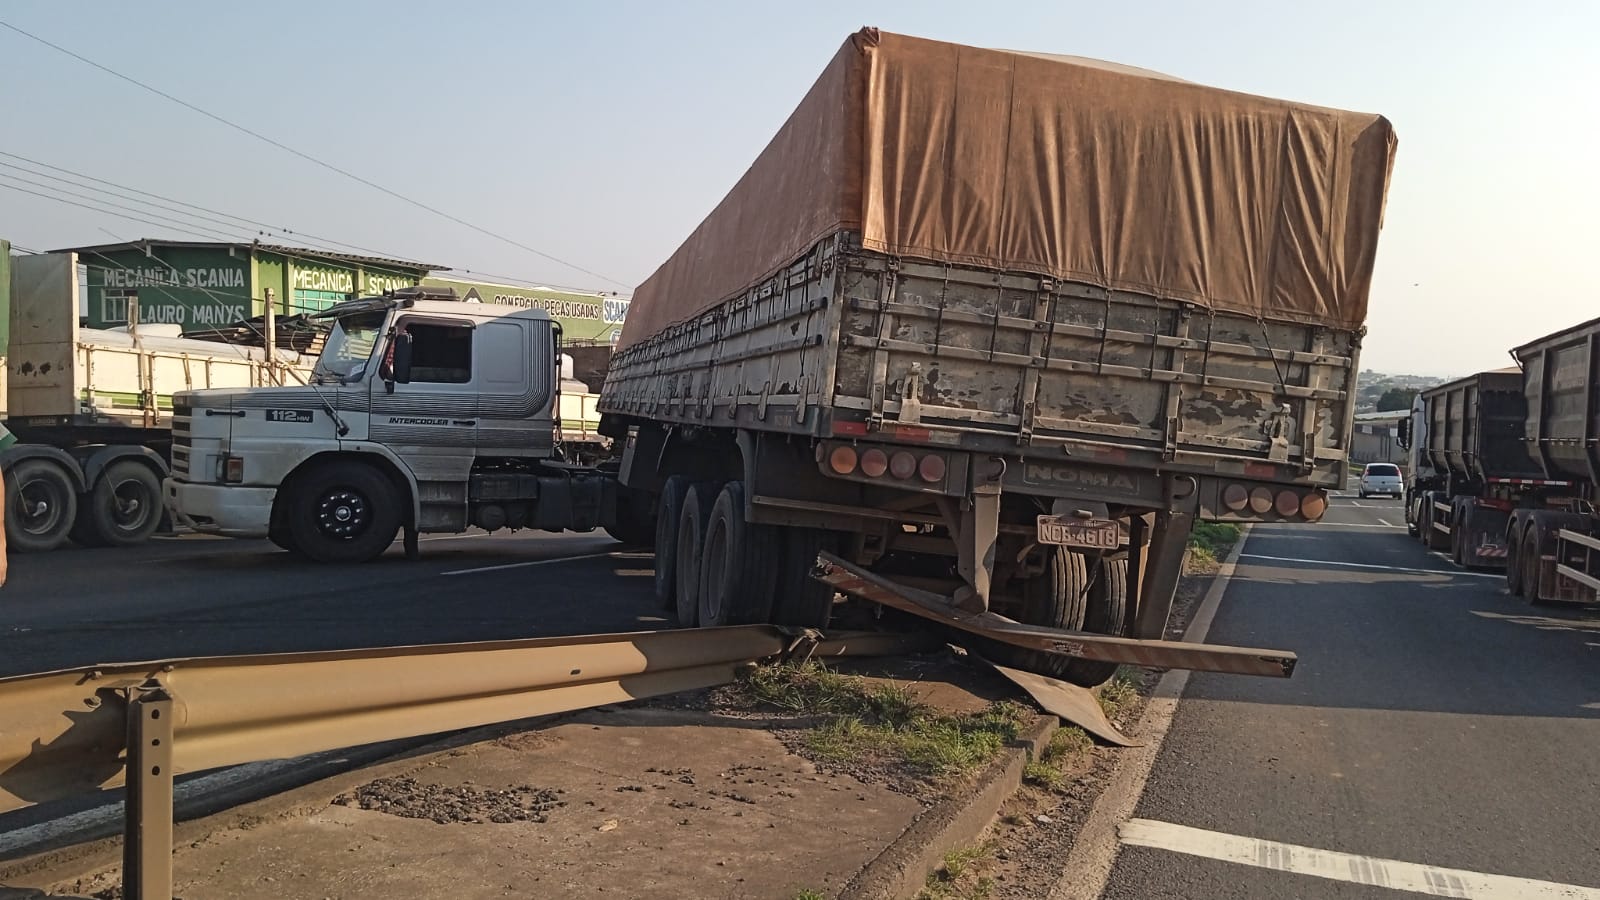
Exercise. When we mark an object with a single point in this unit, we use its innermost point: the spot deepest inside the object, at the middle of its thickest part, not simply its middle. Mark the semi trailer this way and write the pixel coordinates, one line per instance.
(979, 333)
(1470, 466)
(91, 411)
(1506, 464)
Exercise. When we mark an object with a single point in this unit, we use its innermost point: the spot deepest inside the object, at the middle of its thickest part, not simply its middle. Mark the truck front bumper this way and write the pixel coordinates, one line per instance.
(231, 510)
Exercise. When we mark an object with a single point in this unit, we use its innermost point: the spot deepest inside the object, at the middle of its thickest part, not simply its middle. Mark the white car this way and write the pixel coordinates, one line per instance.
(1381, 478)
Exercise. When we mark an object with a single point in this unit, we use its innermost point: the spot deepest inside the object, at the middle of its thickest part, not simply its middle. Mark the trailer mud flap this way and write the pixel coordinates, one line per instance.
(1154, 654)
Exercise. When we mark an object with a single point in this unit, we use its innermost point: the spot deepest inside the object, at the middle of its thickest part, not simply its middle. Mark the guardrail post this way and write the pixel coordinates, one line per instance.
(147, 814)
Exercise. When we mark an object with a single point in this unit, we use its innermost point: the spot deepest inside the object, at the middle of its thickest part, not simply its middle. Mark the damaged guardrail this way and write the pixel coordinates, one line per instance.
(82, 730)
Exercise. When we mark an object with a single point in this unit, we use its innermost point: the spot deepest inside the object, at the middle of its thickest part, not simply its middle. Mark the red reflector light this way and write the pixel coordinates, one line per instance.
(842, 460)
(874, 462)
(1235, 497)
(1261, 500)
(902, 465)
(1288, 503)
(1313, 505)
(931, 468)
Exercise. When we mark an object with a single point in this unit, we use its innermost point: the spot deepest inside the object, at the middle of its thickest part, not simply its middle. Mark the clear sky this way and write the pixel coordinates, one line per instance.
(601, 133)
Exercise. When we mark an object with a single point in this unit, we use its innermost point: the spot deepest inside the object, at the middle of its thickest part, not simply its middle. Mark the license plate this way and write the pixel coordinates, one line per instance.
(1089, 534)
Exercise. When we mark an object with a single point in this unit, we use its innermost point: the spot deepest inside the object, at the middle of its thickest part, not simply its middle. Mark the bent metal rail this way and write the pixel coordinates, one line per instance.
(77, 731)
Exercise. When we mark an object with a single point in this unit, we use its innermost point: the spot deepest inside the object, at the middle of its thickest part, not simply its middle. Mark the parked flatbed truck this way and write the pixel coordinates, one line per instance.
(994, 387)
(91, 410)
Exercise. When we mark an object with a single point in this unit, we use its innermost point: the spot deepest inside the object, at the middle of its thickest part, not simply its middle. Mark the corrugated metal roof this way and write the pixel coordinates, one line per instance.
(143, 243)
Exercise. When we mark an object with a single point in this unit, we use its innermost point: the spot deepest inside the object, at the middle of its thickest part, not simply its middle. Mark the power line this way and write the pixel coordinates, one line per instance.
(308, 157)
(145, 212)
(280, 232)
(107, 212)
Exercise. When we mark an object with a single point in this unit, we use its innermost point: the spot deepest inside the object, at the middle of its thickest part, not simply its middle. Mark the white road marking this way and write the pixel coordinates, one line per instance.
(1389, 873)
(533, 562)
(1385, 522)
(1351, 565)
(1088, 866)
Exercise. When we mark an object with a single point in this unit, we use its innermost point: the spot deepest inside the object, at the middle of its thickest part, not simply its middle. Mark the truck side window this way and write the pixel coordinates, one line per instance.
(440, 354)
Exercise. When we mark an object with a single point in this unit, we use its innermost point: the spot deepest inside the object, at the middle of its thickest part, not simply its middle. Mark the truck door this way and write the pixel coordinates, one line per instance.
(516, 378)
(428, 414)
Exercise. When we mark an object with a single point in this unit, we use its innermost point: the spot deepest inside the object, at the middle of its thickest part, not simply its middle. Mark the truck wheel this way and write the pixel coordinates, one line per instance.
(697, 501)
(41, 505)
(125, 505)
(740, 564)
(1513, 562)
(799, 599)
(344, 512)
(635, 523)
(667, 513)
(1058, 597)
(1459, 519)
(1107, 614)
(1412, 512)
(1531, 564)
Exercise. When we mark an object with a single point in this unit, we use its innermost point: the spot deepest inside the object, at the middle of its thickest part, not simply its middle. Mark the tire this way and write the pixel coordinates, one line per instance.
(696, 507)
(1361, 494)
(1513, 563)
(1058, 597)
(739, 568)
(799, 599)
(1107, 614)
(41, 506)
(635, 522)
(125, 506)
(668, 510)
(1458, 535)
(1412, 515)
(1530, 564)
(343, 512)
(284, 540)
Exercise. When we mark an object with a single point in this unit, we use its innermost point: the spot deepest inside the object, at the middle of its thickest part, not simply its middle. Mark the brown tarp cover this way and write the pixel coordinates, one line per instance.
(1054, 166)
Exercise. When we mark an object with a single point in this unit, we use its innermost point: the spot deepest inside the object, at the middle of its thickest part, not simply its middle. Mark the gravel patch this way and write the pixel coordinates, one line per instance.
(410, 799)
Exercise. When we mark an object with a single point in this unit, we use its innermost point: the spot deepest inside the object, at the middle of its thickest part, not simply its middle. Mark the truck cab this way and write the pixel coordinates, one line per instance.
(421, 413)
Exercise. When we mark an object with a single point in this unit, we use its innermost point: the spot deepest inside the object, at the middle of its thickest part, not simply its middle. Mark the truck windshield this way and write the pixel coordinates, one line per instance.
(349, 346)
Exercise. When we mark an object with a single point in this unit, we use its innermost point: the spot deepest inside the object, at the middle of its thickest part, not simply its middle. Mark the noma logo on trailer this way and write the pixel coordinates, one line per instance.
(1043, 473)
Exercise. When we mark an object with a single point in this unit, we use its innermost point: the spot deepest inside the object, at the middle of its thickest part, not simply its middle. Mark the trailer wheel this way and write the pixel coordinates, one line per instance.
(635, 523)
(1529, 558)
(1058, 597)
(668, 511)
(124, 507)
(1107, 614)
(799, 599)
(1513, 560)
(695, 508)
(740, 565)
(41, 505)
(343, 512)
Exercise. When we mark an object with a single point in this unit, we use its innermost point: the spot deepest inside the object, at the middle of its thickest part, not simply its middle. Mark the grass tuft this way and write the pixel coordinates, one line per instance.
(1209, 542)
(1116, 694)
(951, 880)
(867, 719)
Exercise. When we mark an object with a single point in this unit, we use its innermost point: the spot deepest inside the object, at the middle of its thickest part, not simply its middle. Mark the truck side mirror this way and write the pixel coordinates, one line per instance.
(1404, 435)
(400, 367)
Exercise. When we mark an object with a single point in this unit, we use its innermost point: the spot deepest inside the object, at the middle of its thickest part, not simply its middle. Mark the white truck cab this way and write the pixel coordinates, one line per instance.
(425, 414)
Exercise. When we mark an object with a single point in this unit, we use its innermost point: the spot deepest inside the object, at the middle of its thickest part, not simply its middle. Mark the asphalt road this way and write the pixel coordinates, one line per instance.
(1433, 720)
(200, 596)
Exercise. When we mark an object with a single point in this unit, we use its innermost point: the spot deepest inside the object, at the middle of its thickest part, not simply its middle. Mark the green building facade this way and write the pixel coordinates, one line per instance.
(199, 286)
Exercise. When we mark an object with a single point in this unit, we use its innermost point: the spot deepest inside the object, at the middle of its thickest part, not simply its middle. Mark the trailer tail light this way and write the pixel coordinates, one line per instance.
(874, 462)
(1313, 505)
(1288, 503)
(1236, 497)
(931, 468)
(842, 460)
(902, 465)
(1261, 500)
